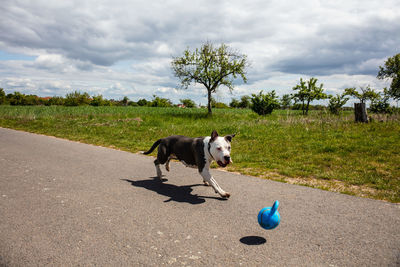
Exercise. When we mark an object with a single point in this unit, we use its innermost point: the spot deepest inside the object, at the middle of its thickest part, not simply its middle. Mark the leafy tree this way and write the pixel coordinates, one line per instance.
(391, 70)
(234, 103)
(189, 103)
(381, 104)
(97, 101)
(366, 93)
(210, 66)
(2, 96)
(245, 102)
(124, 101)
(77, 99)
(286, 101)
(337, 102)
(15, 99)
(264, 104)
(142, 102)
(56, 100)
(308, 91)
(160, 102)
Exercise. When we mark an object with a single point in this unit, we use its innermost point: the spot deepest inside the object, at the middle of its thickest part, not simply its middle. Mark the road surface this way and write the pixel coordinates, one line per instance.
(64, 203)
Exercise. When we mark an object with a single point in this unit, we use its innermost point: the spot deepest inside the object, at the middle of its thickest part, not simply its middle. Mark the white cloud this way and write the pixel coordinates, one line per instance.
(105, 43)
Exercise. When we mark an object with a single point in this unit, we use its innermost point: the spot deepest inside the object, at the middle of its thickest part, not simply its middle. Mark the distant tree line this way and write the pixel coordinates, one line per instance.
(262, 103)
(78, 98)
(308, 91)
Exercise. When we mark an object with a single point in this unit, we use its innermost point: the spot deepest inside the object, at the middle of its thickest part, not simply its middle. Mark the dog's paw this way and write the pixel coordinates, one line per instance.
(226, 195)
(207, 184)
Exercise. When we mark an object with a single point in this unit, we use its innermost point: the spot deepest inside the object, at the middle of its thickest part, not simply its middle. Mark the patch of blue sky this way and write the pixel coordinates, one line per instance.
(11, 56)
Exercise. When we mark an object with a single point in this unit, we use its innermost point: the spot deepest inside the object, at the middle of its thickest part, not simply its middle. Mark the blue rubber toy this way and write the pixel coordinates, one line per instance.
(269, 217)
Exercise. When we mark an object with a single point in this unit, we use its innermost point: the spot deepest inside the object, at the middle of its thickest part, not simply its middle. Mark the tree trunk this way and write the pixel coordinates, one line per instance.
(209, 102)
(360, 112)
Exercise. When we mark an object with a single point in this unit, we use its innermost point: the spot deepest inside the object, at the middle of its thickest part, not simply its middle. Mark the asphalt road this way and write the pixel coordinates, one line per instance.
(64, 203)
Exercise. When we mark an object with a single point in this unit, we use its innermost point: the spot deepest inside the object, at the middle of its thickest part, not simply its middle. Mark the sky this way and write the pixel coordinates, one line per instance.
(124, 48)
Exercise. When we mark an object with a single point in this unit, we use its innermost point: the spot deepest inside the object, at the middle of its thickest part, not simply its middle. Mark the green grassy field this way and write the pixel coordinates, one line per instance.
(320, 150)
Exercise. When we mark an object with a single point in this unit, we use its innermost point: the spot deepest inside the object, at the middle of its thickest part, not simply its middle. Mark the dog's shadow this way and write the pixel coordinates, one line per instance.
(174, 192)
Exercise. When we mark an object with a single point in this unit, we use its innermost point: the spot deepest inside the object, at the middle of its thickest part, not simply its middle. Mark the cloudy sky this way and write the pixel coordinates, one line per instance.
(124, 48)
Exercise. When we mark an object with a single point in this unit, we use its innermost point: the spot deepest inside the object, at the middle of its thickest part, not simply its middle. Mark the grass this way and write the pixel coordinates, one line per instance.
(320, 150)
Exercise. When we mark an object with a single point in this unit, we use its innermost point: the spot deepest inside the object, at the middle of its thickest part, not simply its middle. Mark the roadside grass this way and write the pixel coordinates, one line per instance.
(320, 150)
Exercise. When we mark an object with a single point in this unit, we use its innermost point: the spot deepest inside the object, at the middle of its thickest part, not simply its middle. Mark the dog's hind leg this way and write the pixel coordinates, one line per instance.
(167, 164)
(157, 164)
(162, 158)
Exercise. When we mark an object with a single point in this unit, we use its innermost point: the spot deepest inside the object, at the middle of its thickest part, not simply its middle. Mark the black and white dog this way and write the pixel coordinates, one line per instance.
(196, 153)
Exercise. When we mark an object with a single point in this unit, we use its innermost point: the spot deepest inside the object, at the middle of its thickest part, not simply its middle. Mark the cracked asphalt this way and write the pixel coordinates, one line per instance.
(65, 203)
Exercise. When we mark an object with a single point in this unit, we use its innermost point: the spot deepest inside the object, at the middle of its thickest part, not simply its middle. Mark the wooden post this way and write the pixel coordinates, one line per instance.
(360, 112)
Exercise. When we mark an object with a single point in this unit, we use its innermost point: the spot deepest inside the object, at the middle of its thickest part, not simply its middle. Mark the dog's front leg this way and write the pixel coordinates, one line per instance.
(211, 181)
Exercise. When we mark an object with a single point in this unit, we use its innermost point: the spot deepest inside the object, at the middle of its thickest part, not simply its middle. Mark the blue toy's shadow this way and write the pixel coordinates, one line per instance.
(253, 240)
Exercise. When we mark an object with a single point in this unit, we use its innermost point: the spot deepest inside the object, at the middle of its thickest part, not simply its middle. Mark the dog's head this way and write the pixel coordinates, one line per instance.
(220, 148)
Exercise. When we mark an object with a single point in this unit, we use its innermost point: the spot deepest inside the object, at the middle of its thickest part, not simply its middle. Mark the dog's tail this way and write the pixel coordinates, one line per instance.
(156, 143)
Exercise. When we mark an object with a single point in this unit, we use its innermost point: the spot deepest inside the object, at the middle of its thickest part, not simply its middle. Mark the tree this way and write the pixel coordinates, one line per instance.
(142, 102)
(366, 93)
(337, 102)
(189, 103)
(245, 102)
(124, 101)
(56, 100)
(210, 66)
(360, 110)
(2, 96)
(391, 70)
(286, 101)
(308, 91)
(16, 99)
(77, 99)
(160, 102)
(381, 104)
(264, 104)
(234, 103)
(97, 101)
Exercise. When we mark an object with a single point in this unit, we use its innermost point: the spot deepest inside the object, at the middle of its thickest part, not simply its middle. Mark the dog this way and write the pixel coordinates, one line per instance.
(196, 153)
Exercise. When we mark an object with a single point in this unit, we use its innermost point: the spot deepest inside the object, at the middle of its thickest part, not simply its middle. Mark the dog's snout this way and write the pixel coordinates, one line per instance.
(227, 158)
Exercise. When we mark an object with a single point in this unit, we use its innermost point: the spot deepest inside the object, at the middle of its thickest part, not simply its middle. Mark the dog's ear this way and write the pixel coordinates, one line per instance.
(229, 137)
(214, 136)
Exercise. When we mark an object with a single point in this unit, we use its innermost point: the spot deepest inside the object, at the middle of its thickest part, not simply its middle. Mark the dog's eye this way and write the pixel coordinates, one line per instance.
(219, 148)
(229, 148)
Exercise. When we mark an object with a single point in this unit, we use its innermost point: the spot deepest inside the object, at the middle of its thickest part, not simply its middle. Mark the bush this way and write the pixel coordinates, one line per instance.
(2, 96)
(336, 103)
(189, 103)
(56, 100)
(77, 99)
(142, 102)
(264, 104)
(160, 102)
(234, 103)
(381, 103)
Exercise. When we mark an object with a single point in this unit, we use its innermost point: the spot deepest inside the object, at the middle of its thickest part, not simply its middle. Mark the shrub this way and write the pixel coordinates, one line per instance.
(142, 102)
(336, 103)
(56, 100)
(2, 96)
(381, 103)
(160, 102)
(77, 99)
(264, 104)
(189, 103)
